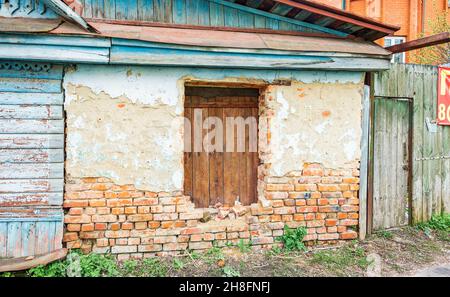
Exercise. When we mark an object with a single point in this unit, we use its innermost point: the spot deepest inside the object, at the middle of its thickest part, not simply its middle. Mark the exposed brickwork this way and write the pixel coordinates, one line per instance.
(107, 218)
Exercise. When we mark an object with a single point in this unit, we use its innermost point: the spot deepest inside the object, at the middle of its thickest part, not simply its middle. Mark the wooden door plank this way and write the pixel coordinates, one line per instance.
(231, 160)
(200, 161)
(216, 159)
(242, 169)
(188, 177)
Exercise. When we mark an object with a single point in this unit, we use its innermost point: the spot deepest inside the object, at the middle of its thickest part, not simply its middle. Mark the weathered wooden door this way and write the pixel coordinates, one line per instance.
(31, 158)
(220, 175)
(392, 162)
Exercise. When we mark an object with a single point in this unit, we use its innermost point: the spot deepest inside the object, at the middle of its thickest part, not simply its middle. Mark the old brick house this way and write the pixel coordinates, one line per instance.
(93, 131)
(412, 16)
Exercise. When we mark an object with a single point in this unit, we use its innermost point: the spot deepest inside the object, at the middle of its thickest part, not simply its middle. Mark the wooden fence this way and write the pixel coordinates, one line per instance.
(428, 167)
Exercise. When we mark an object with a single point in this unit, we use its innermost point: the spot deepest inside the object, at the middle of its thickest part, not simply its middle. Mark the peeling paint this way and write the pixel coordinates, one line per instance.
(126, 123)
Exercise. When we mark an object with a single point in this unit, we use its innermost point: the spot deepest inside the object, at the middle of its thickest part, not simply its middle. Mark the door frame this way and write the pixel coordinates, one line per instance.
(370, 190)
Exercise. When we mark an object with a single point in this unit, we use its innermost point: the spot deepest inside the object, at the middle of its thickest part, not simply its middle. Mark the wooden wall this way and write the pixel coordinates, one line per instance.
(192, 12)
(431, 143)
(31, 158)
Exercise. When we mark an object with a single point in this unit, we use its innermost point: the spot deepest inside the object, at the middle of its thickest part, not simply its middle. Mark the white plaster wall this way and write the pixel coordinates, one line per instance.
(126, 123)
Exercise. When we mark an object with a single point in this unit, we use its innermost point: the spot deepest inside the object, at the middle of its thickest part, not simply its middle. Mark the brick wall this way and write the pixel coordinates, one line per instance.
(107, 218)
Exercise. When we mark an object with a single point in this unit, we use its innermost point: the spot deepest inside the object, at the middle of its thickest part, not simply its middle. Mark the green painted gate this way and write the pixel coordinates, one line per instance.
(405, 97)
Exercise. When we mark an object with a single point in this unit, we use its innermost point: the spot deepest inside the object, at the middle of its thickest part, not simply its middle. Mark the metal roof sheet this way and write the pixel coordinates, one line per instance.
(228, 39)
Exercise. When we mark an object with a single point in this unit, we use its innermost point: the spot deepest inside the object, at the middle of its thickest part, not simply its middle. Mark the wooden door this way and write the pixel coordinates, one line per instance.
(392, 162)
(220, 175)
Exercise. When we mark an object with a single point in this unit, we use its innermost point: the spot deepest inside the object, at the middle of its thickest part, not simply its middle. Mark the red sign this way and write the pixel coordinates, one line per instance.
(443, 112)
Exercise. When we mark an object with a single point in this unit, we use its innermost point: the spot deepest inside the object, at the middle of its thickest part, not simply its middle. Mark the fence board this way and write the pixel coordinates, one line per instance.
(430, 167)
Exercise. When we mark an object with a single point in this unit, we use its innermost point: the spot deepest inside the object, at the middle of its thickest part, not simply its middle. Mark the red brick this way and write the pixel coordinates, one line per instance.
(350, 234)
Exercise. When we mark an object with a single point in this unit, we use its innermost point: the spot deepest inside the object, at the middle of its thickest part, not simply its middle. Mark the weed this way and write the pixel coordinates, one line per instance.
(91, 265)
(154, 267)
(213, 255)
(385, 234)
(55, 269)
(292, 239)
(6, 274)
(340, 260)
(231, 272)
(244, 246)
(129, 266)
(178, 264)
(437, 222)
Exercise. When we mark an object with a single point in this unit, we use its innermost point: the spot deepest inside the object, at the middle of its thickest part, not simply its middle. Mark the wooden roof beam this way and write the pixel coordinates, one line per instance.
(420, 43)
(340, 15)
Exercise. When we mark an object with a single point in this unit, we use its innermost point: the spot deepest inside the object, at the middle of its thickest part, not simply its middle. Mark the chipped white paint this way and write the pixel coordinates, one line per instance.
(314, 123)
(126, 123)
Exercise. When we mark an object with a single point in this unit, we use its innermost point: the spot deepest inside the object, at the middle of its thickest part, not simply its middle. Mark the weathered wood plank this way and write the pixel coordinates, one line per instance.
(31, 111)
(31, 170)
(3, 238)
(31, 141)
(188, 151)
(31, 126)
(31, 185)
(14, 240)
(200, 162)
(52, 72)
(24, 263)
(35, 213)
(418, 153)
(31, 155)
(12, 84)
(179, 11)
(216, 173)
(31, 98)
(55, 53)
(231, 160)
(28, 238)
(28, 199)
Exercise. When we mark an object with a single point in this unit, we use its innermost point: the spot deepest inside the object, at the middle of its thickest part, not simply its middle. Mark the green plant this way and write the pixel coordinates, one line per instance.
(385, 234)
(244, 246)
(230, 272)
(275, 250)
(437, 222)
(341, 259)
(178, 263)
(95, 265)
(213, 255)
(6, 274)
(55, 269)
(292, 239)
(90, 265)
(438, 54)
(130, 266)
(154, 267)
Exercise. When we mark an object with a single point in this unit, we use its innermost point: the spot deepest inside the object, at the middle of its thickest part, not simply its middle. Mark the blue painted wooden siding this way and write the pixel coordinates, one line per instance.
(31, 158)
(192, 12)
(25, 8)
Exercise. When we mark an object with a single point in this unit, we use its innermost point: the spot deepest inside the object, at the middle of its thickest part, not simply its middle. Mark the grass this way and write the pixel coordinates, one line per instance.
(438, 223)
(401, 250)
(341, 261)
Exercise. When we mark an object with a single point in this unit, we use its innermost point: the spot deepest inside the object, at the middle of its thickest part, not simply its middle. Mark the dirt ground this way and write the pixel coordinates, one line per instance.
(399, 252)
(408, 251)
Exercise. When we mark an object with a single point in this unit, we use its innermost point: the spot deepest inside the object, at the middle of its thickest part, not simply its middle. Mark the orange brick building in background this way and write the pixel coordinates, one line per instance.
(411, 15)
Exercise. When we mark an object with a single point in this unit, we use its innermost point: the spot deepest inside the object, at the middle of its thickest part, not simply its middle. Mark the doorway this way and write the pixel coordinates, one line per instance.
(221, 154)
(392, 161)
